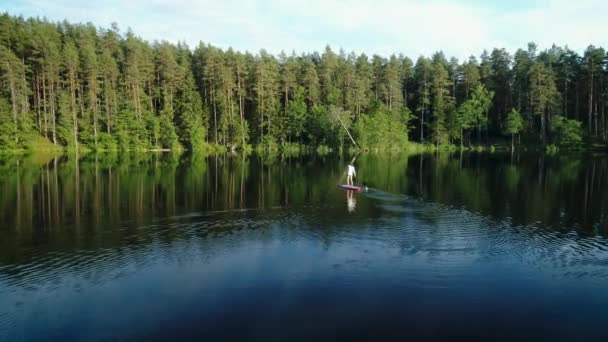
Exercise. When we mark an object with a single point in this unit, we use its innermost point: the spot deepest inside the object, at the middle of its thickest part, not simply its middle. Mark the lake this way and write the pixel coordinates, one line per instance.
(159, 246)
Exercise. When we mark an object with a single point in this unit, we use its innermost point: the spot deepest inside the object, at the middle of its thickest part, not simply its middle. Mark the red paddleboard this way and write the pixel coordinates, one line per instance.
(350, 187)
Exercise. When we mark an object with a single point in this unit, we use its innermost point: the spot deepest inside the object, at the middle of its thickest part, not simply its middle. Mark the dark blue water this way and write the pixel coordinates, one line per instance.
(251, 249)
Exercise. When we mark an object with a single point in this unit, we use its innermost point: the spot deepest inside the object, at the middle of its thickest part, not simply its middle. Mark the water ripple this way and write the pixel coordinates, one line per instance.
(424, 245)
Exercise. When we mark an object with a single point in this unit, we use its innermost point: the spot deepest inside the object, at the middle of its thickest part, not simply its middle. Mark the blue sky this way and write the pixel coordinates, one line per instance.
(412, 27)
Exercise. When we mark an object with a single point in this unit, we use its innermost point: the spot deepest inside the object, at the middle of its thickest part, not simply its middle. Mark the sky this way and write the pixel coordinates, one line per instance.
(459, 28)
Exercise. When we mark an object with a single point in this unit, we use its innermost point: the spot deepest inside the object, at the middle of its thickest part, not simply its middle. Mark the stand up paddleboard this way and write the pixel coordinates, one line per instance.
(350, 187)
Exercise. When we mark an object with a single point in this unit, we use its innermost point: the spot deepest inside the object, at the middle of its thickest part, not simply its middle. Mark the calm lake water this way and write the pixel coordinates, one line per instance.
(162, 247)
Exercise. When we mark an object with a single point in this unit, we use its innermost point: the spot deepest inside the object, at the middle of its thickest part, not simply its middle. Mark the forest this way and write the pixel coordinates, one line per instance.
(77, 87)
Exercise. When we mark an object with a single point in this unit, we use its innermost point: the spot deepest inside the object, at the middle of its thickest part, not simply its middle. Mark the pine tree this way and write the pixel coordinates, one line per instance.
(310, 82)
(594, 62)
(391, 80)
(543, 94)
(70, 108)
(407, 79)
(327, 77)
(500, 85)
(267, 90)
(470, 76)
(514, 124)
(363, 84)
(442, 100)
(9, 71)
(423, 71)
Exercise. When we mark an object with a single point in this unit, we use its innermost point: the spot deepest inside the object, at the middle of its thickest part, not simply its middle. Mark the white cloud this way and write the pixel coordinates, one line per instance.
(576, 24)
(411, 27)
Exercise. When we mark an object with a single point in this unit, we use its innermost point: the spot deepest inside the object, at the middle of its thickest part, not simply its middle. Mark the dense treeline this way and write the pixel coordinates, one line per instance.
(76, 85)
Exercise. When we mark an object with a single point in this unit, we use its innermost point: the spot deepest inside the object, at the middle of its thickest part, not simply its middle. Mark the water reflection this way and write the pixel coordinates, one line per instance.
(39, 193)
(351, 201)
(63, 203)
(235, 244)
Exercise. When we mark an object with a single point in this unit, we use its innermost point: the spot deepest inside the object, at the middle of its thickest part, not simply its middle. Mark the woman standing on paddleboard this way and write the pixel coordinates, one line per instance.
(350, 172)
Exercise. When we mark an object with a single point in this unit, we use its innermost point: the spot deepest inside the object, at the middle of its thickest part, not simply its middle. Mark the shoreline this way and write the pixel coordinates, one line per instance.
(411, 148)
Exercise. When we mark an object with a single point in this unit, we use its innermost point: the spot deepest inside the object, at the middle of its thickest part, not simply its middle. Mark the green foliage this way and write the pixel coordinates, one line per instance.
(297, 114)
(439, 131)
(189, 119)
(514, 122)
(152, 130)
(133, 134)
(481, 102)
(318, 126)
(466, 116)
(338, 119)
(474, 111)
(8, 139)
(106, 143)
(168, 138)
(543, 93)
(268, 145)
(566, 132)
(551, 149)
(65, 123)
(26, 125)
(382, 129)
(77, 85)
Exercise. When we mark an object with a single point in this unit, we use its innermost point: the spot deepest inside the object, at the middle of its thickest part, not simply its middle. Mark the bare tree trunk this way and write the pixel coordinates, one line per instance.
(93, 99)
(542, 127)
(261, 98)
(231, 107)
(26, 104)
(53, 112)
(576, 104)
(106, 104)
(13, 98)
(80, 101)
(171, 98)
(595, 115)
(590, 109)
(566, 99)
(214, 110)
(542, 113)
(390, 98)
(422, 125)
(405, 93)
(461, 131)
(73, 109)
(603, 120)
(241, 107)
(112, 109)
(596, 110)
(151, 103)
(36, 86)
(286, 98)
(423, 110)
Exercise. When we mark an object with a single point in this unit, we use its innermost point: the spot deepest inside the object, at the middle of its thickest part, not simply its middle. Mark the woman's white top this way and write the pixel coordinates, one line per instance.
(351, 170)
